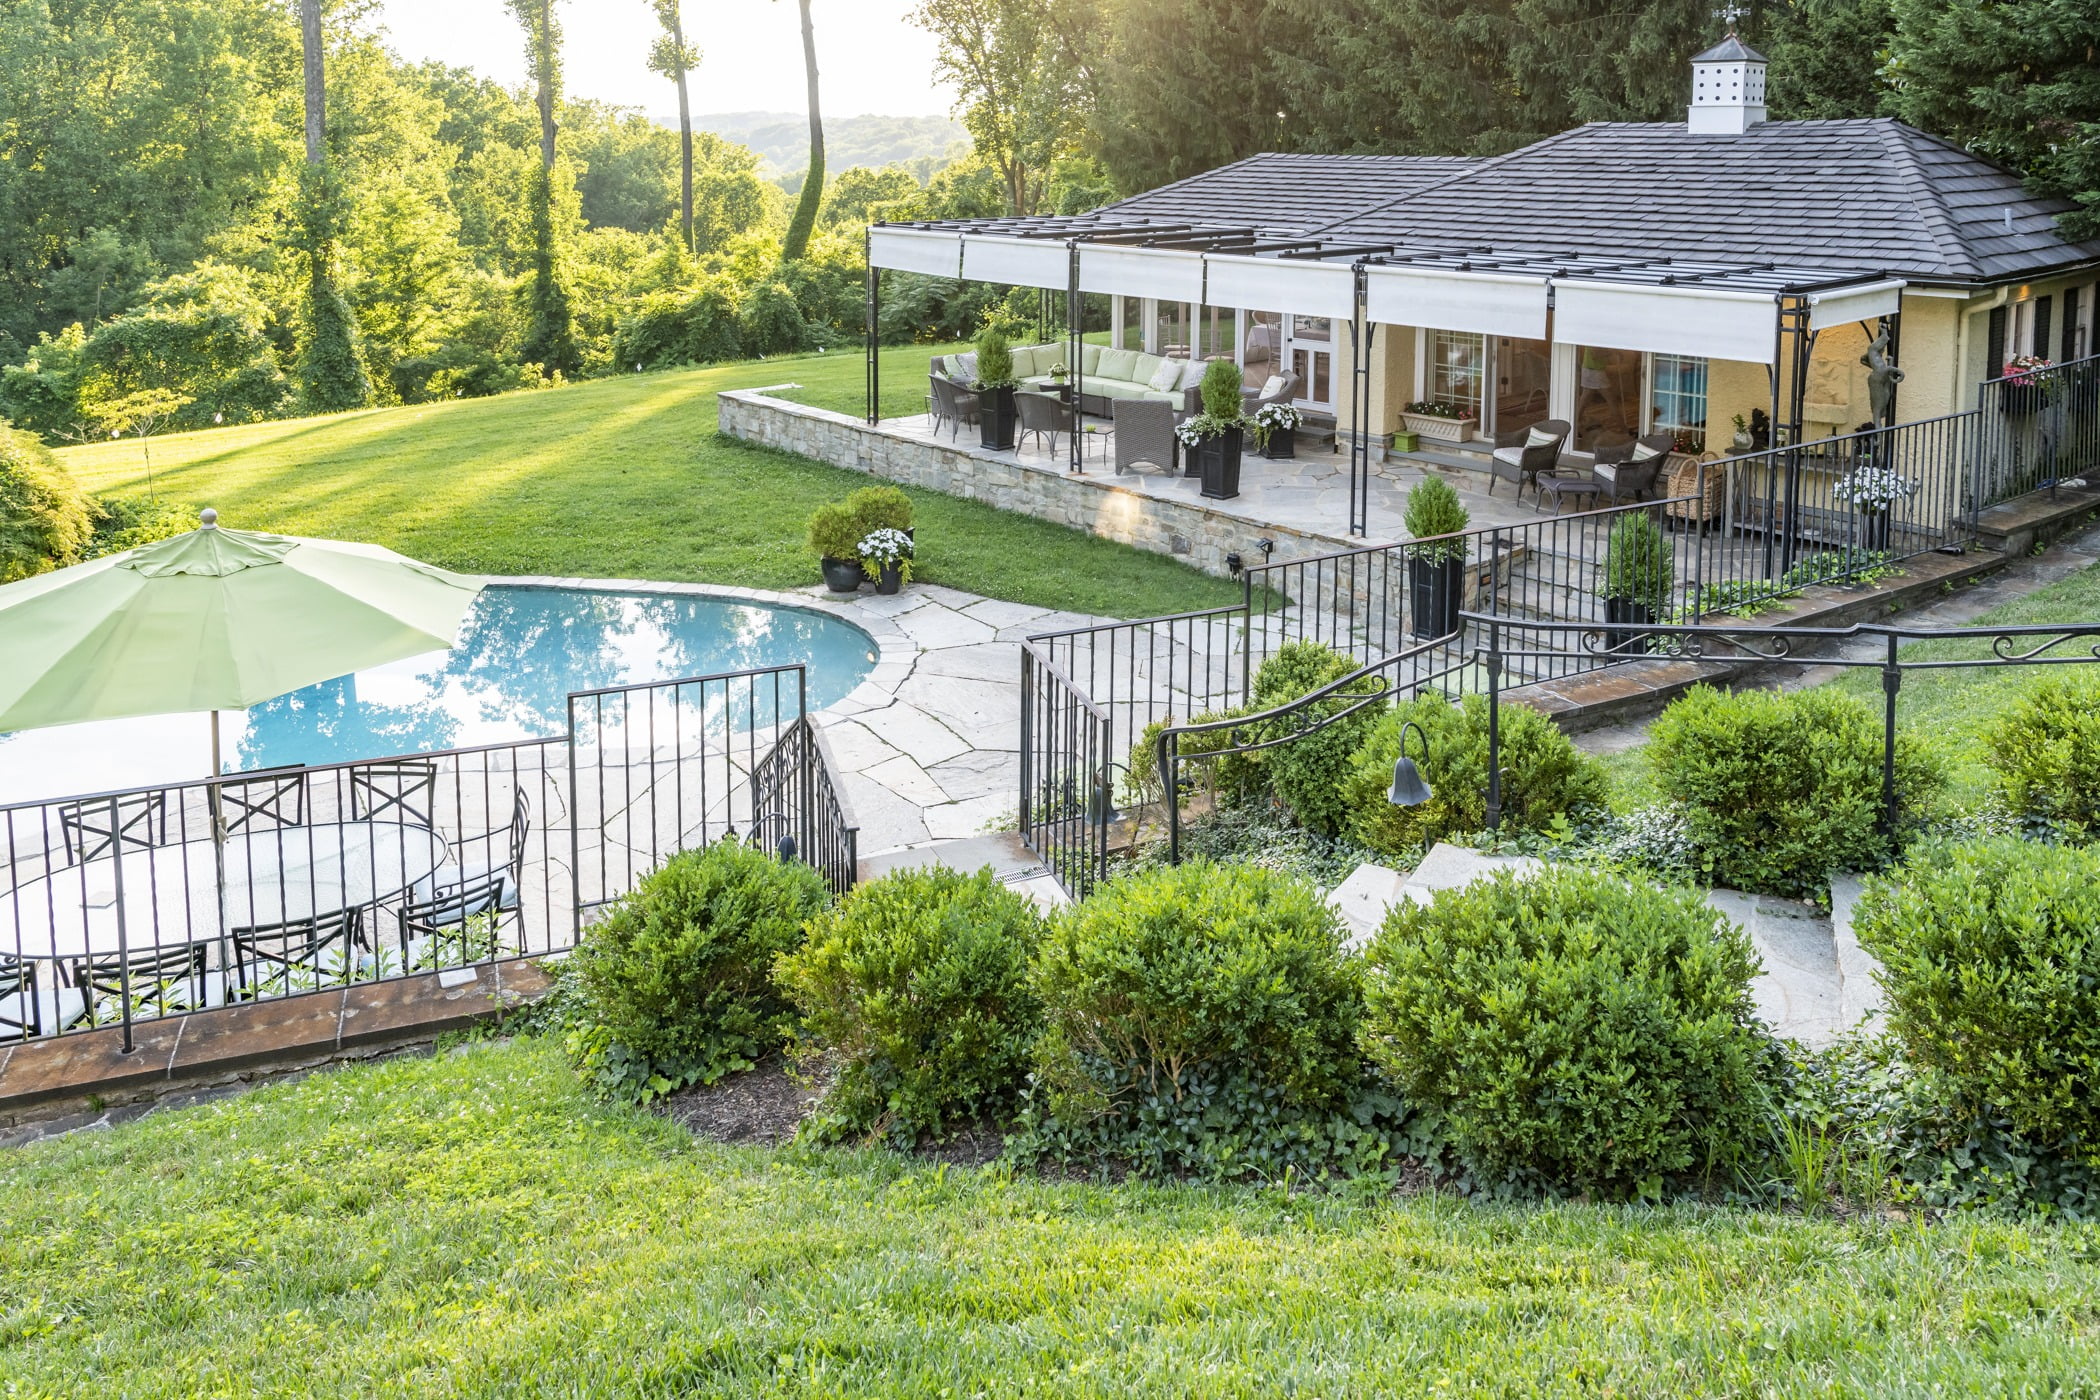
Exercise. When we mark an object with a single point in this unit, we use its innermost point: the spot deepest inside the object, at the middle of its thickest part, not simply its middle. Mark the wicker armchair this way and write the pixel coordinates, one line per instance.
(1521, 455)
(952, 404)
(1145, 433)
(1253, 399)
(1045, 415)
(1628, 471)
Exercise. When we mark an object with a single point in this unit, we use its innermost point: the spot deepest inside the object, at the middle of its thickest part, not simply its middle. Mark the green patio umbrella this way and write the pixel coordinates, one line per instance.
(213, 620)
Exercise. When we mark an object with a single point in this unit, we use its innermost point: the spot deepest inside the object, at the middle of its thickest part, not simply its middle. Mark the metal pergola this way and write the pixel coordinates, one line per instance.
(1767, 312)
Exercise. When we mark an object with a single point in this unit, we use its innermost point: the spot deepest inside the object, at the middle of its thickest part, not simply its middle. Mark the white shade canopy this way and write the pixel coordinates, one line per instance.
(1700, 321)
(1297, 285)
(931, 251)
(1020, 262)
(1446, 300)
(1167, 273)
(1864, 303)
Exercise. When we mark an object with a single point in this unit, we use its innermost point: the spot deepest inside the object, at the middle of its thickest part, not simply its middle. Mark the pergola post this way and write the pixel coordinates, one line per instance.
(874, 331)
(1360, 338)
(1075, 327)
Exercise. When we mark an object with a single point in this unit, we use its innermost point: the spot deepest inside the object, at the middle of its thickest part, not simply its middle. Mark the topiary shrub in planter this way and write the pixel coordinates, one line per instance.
(1778, 789)
(914, 990)
(2045, 751)
(1635, 579)
(1544, 776)
(1436, 572)
(1575, 1029)
(995, 388)
(1175, 988)
(1307, 773)
(834, 537)
(1990, 957)
(880, 508)
(676, 981)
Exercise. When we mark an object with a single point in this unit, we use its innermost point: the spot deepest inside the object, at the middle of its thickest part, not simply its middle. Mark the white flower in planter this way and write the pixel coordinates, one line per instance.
(1873, 488)
(884, 549)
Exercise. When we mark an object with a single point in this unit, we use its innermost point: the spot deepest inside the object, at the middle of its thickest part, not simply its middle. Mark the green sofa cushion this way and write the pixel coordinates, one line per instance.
(1090, 359)
(1120, 365)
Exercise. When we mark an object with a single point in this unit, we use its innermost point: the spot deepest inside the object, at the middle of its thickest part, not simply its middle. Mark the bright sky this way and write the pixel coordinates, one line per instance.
(870, 57)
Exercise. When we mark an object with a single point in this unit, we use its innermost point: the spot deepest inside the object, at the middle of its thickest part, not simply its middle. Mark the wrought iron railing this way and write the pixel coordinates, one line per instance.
(1069, 771)
(128, 906)
(2037, 428)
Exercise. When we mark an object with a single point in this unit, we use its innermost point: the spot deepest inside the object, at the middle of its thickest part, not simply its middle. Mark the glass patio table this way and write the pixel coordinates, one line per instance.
(171, 894)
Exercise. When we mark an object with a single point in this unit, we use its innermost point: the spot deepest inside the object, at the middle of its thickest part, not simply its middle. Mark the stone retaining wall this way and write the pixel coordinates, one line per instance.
(1202, 535)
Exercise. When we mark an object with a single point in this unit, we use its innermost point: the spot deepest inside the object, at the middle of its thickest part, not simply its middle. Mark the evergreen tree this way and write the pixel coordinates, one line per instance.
(2015, 80)
(1828, 57)
(332, 374)
(550, 340)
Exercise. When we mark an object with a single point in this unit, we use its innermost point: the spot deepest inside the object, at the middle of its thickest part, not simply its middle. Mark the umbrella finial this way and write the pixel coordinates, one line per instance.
(209, 518)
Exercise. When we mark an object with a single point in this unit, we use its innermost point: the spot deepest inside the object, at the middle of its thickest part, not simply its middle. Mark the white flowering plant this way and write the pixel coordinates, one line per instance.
(1873, 488)
(886, 549)
(1276, 417)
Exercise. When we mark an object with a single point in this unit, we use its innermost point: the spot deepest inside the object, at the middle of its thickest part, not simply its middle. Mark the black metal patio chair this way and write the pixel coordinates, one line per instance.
(21, 1012)
(270, 797)
(157, 980)
(136, 821)
(263, 953)
(404, 792)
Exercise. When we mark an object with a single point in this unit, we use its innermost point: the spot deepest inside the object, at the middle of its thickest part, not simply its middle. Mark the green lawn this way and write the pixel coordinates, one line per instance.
(622, 478)
(471, 1225)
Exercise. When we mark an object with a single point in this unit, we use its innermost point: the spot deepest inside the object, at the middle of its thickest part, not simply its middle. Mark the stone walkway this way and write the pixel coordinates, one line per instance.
(929, 746)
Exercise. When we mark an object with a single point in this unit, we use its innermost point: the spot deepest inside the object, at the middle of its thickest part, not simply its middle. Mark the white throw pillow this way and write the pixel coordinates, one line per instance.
(1192, 373)
(1642, 452)
(1607, 472)
(965, 366)
(1539, 437)
(1273, 386)
(1168, 376)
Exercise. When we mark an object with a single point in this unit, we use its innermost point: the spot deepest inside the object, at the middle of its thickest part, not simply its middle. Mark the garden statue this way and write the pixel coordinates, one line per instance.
(1882, 377)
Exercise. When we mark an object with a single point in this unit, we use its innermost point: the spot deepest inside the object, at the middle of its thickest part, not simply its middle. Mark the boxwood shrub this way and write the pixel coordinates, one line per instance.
(1780, 789)
(1573, 1028)
(1307, 774)
(1544, 776)
(676, 981)
(1165, 983)
(914, 991)
(2045, 751)
(1991, 967)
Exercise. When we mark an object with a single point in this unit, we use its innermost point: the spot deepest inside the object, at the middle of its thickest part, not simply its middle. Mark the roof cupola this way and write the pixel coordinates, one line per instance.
(1728, 89)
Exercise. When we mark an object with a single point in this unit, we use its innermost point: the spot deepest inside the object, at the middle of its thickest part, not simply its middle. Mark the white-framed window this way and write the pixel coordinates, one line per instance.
(1677, 397)
(1457, 369)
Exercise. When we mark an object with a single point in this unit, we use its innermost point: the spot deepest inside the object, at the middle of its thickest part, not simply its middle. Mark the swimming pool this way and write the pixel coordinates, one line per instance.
(522, 651)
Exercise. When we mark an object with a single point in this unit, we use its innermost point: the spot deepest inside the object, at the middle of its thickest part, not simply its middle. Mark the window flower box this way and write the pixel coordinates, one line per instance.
(1434, 427)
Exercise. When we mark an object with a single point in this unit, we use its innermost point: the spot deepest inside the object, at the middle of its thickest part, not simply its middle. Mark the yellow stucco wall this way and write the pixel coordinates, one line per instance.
(1392, 377)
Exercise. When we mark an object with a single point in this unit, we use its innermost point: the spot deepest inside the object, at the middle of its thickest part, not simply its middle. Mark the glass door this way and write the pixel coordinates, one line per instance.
(1607, 397)
(1309, 351)
(1523, 379)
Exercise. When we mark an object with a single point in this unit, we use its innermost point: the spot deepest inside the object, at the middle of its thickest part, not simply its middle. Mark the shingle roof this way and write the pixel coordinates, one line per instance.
(1861, 196)
(1288, 193)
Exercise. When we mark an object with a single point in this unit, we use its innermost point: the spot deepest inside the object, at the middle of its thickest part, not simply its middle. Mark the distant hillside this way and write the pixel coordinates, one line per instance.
(781, 139)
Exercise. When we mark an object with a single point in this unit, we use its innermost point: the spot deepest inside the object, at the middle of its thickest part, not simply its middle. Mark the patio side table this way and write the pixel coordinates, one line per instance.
(1584, 489)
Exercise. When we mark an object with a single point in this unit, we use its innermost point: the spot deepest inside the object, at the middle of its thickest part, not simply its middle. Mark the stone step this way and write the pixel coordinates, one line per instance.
(1011, 862)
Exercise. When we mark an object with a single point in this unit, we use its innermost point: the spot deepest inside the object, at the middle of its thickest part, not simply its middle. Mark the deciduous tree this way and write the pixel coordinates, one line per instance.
(550, 342)
(673, 57)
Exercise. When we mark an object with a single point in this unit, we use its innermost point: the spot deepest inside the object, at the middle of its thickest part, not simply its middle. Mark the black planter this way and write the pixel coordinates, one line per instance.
(995, 419)
(891, 579)
(1874, 530)
(1217, 461)
(1283, 442)
(1436, 591)
(843, 575)
(1618, 611)
(2020, 397)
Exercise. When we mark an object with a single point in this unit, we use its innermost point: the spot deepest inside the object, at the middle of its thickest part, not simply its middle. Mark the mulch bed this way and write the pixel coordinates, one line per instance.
(761, 1107)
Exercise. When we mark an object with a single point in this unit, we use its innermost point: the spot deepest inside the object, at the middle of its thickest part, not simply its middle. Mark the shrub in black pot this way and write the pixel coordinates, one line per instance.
(1637, 576)
(1215, 438)
(1436, 570)
(834, 536)
(995, 391)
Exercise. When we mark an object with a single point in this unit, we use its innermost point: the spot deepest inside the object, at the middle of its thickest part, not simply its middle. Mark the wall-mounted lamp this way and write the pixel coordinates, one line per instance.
(1266, 545)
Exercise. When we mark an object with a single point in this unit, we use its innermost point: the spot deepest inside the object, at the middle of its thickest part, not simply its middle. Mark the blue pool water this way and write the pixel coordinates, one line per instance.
(521, 653)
